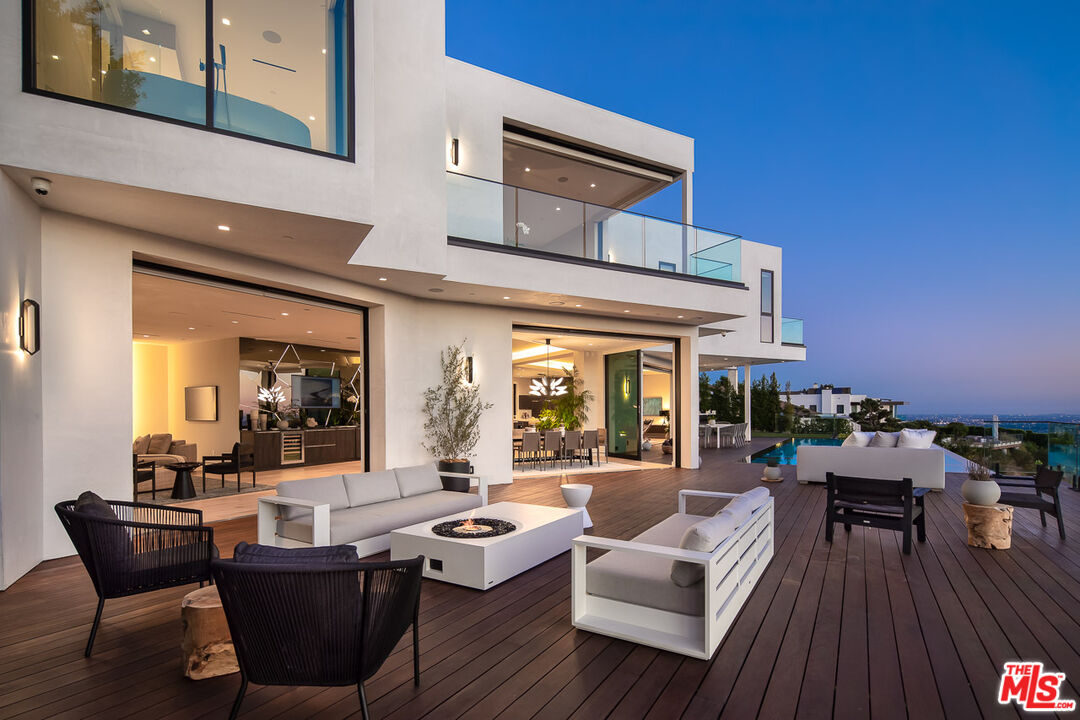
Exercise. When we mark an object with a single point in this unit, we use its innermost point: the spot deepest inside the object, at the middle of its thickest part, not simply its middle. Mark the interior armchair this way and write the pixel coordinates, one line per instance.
(240, 459)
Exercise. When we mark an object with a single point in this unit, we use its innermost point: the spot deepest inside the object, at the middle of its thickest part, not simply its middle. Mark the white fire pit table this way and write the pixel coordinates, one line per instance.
(541, 534)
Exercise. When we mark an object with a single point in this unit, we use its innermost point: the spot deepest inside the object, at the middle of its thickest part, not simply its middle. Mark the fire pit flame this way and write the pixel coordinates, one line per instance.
(474, 528)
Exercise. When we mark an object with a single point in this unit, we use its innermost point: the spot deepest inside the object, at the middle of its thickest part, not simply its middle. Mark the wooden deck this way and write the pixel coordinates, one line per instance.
(849, 630)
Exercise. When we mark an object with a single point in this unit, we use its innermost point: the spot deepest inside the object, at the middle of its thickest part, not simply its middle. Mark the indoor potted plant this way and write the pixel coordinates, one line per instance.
(979, 488)
(453, 409)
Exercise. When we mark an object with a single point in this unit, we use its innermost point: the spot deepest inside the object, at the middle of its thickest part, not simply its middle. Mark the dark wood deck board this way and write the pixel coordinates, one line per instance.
(848, 629)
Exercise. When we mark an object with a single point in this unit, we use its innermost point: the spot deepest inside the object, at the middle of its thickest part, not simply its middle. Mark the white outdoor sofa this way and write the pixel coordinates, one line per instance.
(629, 593)
(925, 466)
(361, 508)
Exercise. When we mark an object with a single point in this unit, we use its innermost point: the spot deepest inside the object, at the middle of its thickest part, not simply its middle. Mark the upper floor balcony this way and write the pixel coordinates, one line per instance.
(545, 225)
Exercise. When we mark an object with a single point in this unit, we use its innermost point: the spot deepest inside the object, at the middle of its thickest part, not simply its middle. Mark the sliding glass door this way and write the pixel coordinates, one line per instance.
(622, 400)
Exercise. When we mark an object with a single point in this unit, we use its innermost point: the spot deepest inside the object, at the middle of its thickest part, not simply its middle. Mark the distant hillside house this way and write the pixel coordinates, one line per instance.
(836, 401)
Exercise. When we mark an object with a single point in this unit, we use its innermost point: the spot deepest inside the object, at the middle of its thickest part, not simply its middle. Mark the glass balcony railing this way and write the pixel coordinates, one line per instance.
(487, 211)
(791, 331)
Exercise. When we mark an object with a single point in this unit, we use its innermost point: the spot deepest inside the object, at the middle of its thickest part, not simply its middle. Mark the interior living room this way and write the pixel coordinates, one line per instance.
(607, 397)
(235, 390)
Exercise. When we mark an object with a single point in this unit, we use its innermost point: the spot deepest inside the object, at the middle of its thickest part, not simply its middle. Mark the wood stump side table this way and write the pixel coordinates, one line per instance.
(207, 649)
(989, 526)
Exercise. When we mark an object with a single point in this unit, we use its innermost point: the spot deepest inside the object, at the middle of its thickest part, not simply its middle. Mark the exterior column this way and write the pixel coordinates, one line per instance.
(733, 377)
(746, 399)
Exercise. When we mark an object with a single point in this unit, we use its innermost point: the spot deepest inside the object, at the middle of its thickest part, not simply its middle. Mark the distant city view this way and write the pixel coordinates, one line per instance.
(945, 418)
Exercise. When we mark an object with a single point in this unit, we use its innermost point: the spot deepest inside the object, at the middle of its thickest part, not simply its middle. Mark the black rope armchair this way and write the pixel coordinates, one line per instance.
(326, 624)
(130, 548)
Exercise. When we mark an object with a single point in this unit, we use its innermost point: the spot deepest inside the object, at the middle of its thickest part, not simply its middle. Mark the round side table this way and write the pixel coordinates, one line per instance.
(183, 488)
(577, 496)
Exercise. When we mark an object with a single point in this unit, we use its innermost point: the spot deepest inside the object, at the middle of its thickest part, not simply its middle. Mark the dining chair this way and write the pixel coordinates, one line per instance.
(591, 442)
(530, 448)
(572, 447)
(552, 445)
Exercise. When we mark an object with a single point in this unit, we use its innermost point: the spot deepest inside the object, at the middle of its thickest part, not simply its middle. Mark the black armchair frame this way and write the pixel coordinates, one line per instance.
(318, 625)
(241, 458)
(1045, 482)
(146, 548)
(887, 504)
(139, 470)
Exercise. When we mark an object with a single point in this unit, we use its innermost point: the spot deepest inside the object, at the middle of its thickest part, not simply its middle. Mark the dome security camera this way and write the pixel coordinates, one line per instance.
(41, 185)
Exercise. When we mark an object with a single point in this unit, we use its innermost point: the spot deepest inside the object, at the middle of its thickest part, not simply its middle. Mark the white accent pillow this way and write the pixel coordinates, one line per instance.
(920, 439)
(857, 439)
(703, 536)
(884, 439)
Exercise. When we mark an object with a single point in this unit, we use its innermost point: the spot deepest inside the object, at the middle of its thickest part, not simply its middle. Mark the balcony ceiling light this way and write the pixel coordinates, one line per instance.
(224, 228)
(324, 51)
(153, 59)
(528, 169)
(679, 316)
(310, 117)
(310, 331)
(226, 21)
(506, 297)
(55, 57)
(382, 279)
(235, 322)
(558, 209)
(191, 328)
(592, 185)
(145, 31)
(578, 305)
(626, 311)
(284, 314)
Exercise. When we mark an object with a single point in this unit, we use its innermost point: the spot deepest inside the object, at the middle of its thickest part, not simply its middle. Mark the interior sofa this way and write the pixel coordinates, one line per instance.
(161, 448)
(679, 585)
(880, 456)
(360, 509)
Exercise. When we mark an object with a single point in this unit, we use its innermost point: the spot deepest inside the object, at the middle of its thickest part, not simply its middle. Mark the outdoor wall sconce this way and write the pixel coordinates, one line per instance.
(626, 387)
(455, 152)
(29, 327)
(469, 369)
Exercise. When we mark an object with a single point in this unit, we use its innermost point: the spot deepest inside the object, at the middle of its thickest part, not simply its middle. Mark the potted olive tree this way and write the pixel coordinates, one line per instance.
(453, 409)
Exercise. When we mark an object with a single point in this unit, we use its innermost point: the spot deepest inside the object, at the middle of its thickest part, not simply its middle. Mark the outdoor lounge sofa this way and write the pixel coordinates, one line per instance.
(360, 508)
(924, 465)
(652, 591)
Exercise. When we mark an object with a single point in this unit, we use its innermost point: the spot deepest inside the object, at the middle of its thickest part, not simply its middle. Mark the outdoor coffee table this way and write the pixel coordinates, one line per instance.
(542, 533)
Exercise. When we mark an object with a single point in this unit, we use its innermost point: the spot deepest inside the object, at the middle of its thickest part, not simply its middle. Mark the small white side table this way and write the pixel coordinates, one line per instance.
(577, 497)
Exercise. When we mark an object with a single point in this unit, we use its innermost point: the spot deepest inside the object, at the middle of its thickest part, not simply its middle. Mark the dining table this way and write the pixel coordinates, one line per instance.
(710, 427)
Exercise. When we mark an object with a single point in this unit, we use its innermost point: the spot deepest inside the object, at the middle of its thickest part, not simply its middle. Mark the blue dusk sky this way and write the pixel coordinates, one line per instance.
(919, 163)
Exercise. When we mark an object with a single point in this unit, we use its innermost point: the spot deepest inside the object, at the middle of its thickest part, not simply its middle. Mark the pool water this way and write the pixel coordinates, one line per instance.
(786, 451)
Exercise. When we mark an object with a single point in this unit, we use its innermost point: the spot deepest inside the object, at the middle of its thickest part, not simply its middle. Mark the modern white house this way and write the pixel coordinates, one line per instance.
(835, 401)
(190, 192)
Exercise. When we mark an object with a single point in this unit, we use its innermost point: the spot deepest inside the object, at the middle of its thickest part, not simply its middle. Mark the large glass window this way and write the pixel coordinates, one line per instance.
(766, 306)
(279, 69)
(143, 58)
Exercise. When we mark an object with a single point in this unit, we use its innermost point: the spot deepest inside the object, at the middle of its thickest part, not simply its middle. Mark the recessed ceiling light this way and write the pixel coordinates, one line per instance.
(153, 59)
(104, 72)
(226, 21)
(284, 314)
(679, 316)
(382, 279)
(146, 336)
(145, 31)
(55, 57)
(324, 51)
(578, 305)
(309, 332)
(592, 185)
(626, 311)
(191, 328)
(310, 117)
(235, 322)
(322, 351)
(224, 228)
(506, 297)
(558, 209)
(528, 169)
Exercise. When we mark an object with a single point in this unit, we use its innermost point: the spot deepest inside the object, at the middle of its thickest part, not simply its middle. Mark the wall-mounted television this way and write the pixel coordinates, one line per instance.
(316, 392)
(200, 403)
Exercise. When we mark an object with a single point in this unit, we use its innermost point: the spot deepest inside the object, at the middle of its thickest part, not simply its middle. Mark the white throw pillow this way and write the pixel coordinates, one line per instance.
(858, 439)
(884, 439)
(920, 439)
(703, 536)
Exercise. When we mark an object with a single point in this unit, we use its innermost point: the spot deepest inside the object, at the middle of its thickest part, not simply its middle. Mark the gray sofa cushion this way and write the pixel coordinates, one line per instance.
(418, 479)
(703, 536)
(160, 444)
(371, 487)
(141, 445)
(329, 489)
(368, 521)
(645, 579)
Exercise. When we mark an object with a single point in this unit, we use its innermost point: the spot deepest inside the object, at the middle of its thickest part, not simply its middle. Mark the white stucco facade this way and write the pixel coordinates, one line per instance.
(128, 188)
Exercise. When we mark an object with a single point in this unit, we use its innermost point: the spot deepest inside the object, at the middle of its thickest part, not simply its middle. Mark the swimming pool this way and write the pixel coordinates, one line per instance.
(786, 453)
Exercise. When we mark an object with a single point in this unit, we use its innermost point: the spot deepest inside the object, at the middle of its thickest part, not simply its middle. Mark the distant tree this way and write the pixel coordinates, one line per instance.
(872, 415)
(705, 393)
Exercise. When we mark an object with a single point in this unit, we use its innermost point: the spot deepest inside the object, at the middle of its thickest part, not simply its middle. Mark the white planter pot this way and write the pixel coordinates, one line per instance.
(772, 474)
(980, 492)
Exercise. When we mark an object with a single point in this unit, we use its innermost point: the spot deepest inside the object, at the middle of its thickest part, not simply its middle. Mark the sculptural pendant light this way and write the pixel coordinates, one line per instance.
(546, 386)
